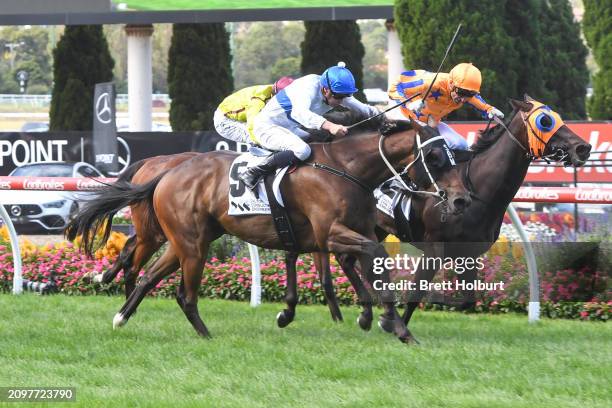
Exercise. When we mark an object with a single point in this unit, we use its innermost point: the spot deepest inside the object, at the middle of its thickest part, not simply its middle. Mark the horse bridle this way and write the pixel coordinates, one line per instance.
(559, 155)
(440, 194)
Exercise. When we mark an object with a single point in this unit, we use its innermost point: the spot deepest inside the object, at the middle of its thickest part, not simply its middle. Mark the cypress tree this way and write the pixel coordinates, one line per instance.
(597, 25)
(327, 42)
(80, 60)
(426, 27)
(521, 23)
(199, 74)
(565, 73)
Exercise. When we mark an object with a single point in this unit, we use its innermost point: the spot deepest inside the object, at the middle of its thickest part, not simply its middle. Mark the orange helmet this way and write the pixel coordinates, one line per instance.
(466, 76)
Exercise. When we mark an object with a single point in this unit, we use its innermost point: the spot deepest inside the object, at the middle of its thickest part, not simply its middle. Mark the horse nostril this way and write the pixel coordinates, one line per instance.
(583, 150)
(461, 204)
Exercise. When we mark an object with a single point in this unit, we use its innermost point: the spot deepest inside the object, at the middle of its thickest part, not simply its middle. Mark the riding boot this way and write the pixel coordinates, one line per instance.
(250, 176)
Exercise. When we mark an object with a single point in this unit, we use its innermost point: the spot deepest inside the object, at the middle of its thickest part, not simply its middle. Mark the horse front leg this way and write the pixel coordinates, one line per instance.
(347, 263)
(344, 240)
(291, 296)
(321, 260)
(424, 274)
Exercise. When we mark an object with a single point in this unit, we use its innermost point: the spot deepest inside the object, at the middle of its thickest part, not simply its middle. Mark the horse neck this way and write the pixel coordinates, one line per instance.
(360, 156)
(498, 172)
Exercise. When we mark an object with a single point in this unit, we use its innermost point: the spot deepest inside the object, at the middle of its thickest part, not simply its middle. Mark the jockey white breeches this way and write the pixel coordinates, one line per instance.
(230, 129)
(453, 139)
(277, 138)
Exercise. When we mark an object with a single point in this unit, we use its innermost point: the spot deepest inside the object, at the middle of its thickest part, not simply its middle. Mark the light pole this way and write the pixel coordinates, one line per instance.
(10, 50)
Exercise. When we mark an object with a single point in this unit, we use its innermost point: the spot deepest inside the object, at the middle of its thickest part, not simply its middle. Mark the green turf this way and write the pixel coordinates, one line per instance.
(157, 360)
(244, 4)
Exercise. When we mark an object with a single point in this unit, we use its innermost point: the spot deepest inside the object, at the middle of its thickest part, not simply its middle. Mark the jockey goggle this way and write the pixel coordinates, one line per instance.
(337, 96)
(465, 93)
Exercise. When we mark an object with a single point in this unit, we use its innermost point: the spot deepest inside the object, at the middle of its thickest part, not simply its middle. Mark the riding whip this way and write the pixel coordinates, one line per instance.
(450, 46)
(383, 112)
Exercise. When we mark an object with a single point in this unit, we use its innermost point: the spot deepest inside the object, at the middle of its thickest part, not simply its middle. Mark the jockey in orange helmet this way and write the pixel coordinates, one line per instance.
(449, 92)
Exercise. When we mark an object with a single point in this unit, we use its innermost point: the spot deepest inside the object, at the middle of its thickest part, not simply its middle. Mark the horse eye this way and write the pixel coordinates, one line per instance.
(545, 122)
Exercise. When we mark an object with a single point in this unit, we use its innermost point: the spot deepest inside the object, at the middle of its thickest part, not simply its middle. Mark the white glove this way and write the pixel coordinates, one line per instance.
(495, 112)
(415, 105)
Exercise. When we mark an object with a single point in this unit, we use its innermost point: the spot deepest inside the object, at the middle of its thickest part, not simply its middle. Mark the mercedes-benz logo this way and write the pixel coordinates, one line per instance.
(103, 108)
(15, 210)
(124, 156)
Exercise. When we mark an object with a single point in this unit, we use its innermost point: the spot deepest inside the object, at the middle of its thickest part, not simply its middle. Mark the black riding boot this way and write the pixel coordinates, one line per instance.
(251, 175)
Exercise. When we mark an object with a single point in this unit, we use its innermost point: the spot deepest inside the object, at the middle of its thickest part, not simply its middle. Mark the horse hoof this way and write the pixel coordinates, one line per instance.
(385, 324)
(97, 278)
(118, 321)
(283, 318)
(365, 324)
(410, 340)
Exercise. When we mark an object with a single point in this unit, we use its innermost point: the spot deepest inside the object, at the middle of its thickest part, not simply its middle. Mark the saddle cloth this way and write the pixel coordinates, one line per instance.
(389, 195)
(242, 201)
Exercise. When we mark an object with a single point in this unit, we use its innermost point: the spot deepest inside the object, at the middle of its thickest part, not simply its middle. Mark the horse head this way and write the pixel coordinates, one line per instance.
(438, 169)
(547, 135)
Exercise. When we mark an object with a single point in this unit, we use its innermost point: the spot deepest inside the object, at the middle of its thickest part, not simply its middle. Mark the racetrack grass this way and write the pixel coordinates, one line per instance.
(157, 360)
(244, 4)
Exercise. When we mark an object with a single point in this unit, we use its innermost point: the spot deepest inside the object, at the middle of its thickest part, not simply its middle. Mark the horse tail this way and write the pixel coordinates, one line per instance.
(98, 212)
(128, 174)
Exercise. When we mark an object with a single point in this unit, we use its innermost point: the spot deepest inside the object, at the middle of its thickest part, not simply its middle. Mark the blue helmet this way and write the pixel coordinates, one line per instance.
(339, 80)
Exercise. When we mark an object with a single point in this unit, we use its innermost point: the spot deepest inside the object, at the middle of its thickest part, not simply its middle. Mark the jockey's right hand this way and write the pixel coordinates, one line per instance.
(335, 129)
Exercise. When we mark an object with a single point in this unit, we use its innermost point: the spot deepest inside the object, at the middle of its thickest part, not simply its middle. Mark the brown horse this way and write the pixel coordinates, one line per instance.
(329, 213)
(494, 173)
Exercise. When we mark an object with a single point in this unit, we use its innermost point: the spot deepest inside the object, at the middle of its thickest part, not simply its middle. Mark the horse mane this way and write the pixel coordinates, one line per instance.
(487, 138)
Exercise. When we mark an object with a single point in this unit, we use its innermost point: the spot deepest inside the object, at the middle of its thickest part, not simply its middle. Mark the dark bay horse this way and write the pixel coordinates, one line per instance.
(494, 173)
(330, 213)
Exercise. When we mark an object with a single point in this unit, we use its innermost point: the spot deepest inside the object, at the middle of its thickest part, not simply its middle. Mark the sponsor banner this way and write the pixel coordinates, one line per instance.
(598, 170)
(104, 128)
(564, 195)
(53, 183)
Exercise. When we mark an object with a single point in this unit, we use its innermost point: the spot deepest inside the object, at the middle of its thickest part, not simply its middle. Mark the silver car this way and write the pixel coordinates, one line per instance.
(45, 210)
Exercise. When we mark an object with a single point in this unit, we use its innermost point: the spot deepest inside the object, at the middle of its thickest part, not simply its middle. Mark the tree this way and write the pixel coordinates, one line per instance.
(25, 49)
(374, 37)
(526, 33)
(426, 27)
(263, 52)
(565, 73)
(597, 25)
(199, 74)
(327, 42)
(81, 60)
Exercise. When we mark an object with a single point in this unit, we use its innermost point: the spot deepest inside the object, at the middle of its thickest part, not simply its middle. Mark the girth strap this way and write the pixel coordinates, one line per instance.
(282, 223)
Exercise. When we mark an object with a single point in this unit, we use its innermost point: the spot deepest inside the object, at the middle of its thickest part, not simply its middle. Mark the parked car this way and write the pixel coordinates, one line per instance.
(45, 210)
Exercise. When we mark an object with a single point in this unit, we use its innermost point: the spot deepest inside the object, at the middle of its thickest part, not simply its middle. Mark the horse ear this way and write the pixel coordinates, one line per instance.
(520, 105)
(528, 98)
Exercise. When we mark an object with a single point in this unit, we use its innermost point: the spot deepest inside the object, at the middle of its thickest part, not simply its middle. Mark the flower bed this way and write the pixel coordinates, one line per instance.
(231, 279)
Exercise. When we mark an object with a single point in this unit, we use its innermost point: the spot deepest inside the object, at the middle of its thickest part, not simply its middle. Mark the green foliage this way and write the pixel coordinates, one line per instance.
(81, 60)
(597, 26)
(523, 46)
(30, 53)
(327, 42)
(564, 65)
(374, 36)
(199, 74)
(426, 27)
(263, 52)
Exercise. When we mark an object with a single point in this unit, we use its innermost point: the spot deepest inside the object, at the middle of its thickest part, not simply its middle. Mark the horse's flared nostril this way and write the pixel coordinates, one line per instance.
(461, 203)
(583, 150)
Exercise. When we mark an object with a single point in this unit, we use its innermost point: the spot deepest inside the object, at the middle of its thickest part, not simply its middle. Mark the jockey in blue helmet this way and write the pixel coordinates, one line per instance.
(279, 127)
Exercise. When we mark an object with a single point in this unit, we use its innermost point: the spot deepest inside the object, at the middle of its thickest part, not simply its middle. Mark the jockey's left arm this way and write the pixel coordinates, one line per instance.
(482, 106)
(364, 109)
